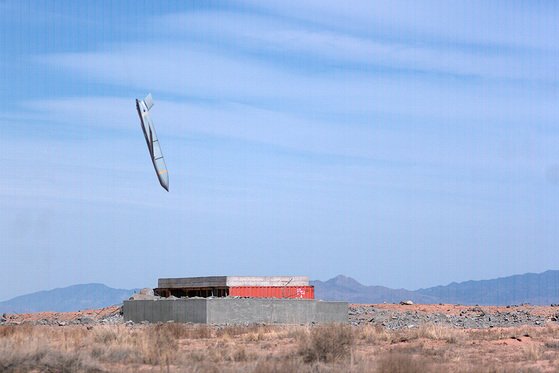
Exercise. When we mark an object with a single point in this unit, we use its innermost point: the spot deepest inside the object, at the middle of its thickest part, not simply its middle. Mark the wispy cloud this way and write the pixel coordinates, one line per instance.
(445, 146)
(275, 38)
(498, 24)
(207, 75)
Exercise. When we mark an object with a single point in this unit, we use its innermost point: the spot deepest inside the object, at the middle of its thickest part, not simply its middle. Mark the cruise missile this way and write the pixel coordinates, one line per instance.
(143, 107)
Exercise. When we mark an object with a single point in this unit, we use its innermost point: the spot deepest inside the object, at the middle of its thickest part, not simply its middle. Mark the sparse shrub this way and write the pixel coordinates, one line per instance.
(327, 343)
(236, 330)
(554, 345)
(533, 352)
(44, 360)
(163, 344)
(105, 336)
(185, 331)
(202, 367)
(436, 332)
(7, 330)
(281, 366)
(199, 332)
(296, 333)
(374, 334)
(197, 356)
(240, 354)
(117, 354)
(395, 362)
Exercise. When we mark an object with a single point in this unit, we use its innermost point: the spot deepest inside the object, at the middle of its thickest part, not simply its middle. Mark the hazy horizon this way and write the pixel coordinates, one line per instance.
(403, 144)
(321, 280)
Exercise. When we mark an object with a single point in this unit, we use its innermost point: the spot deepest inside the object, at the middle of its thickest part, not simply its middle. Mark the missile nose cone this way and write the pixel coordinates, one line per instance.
(164, 180)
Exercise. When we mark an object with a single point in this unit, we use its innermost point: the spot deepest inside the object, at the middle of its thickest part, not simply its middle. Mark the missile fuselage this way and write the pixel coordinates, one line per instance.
(143, 107)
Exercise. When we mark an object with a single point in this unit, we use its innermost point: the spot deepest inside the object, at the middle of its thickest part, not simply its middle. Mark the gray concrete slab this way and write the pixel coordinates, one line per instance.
(230, 281)
(236, 311)
(194, 282)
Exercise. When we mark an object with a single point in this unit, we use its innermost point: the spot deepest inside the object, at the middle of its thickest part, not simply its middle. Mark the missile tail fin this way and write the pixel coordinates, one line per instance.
(148, 101)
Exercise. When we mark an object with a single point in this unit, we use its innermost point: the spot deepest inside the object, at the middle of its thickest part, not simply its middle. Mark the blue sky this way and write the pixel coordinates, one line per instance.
(405, 144)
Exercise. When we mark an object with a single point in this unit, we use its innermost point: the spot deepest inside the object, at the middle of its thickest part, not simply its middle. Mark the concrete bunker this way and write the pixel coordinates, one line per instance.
(235, 300)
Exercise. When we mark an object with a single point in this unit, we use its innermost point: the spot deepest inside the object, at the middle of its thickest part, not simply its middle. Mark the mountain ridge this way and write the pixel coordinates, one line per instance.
(70, 298)
(533, 288)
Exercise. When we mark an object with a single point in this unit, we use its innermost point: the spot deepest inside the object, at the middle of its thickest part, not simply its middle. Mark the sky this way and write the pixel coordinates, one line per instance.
(405, 144)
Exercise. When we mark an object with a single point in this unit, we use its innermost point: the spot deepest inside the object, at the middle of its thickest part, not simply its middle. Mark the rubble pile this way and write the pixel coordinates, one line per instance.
(466, 317)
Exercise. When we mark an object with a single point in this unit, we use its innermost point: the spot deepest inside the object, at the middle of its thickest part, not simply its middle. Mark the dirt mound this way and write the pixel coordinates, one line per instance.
(107, 315)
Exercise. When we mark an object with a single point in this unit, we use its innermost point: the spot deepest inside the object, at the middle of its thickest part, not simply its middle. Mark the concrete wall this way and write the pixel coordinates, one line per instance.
(193, 310)
(274, 311)
(236, 311)
(331, 311)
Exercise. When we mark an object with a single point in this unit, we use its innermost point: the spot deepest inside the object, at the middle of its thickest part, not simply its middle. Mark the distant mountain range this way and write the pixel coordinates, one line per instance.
(536, 289)
(347, 289)
(532, 288)
(71, 298)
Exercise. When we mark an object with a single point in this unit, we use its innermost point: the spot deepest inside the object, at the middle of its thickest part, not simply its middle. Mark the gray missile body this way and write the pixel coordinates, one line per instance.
(143, 107)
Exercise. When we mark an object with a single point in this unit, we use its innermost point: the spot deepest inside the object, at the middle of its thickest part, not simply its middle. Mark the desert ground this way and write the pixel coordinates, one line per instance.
(378, 338)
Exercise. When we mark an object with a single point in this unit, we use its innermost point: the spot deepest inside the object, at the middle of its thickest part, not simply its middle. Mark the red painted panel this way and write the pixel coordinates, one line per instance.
(300, 292)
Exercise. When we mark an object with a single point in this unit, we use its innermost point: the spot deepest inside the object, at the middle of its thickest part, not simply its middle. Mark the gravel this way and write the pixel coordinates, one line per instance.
(474, 317)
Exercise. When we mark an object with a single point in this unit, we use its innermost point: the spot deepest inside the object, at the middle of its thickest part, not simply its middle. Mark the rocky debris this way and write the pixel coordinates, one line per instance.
(85, 320)
(112, 320)
(391, 316)
(406, 303)
(107, 315)
(144, 294)
(468, 317)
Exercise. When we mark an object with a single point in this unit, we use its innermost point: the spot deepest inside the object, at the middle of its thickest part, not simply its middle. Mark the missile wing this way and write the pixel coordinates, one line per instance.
(143, 107)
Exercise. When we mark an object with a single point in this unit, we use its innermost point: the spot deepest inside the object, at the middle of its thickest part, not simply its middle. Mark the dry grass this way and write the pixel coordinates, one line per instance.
(281, 366)
(397, 362)
(259, 348)
(533, 352)
(437, 332)
(28, 350)
(374, 334)
(327, 343)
